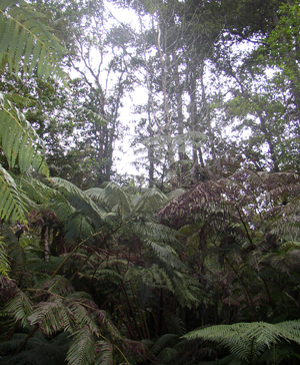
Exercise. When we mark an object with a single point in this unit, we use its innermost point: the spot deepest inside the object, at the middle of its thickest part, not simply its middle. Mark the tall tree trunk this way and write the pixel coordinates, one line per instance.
(180, 119)
(45, 235)
(167, 115)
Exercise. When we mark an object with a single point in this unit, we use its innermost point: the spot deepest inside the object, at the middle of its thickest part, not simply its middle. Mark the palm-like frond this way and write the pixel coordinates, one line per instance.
(115, 199)
(52, 317)
(151, 200)
(164, 341)
(19, 141)
(27, 42)
(249, 340)
(12, 204)
(4, 261)
(108, 325)
(20, 307)
(82, 349)
(105, 354)
(78, 199)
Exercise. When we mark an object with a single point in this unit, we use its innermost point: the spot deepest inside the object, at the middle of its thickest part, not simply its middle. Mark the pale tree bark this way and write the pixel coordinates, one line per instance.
(167, 113)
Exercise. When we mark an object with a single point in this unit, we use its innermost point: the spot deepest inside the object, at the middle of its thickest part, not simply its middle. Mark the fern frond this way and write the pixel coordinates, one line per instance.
(16, 254)
(153, 277)
(35, 189)
(28, 42)
(12, 206)
(20, 308)
(116, 200)
(81, 317)
(38, 350)
(57, 285)
(4, 260)
(82, 202)
(106, 322)
(95, 194)
(52, 317)
(149, 201)
(165, 253)
(249, 340)
(157, 232)
(82, 349)
(164, 341)
(19, 141)
(105, 354)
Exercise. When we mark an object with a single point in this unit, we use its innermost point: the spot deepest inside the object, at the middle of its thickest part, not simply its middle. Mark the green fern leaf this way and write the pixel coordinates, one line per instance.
(12, 205)
(82, 349)
(4, 260)
(108, 325)
(69, 190)
(25, 35)
(20, 307)
(105, 353)
(150, 201)
(249, 340)
(116, 200)
(19, 140)
(52, 317)
(163, 342)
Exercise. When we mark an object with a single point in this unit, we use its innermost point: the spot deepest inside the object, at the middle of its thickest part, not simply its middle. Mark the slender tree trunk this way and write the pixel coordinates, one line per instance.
(167, 115)
(180, 119)
(45, 242)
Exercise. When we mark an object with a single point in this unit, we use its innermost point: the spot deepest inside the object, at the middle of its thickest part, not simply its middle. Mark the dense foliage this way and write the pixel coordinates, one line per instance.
(197, 260)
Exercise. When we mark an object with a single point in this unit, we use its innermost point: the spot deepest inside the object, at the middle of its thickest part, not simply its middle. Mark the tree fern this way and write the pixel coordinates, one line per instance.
(12, 204)
(151, 200)
(247, 341)
(4, 260)
(19, 140)
(82, 349)
(20, 307)
(105, 354)
(52, 317)
(27, 41)
(114, 198)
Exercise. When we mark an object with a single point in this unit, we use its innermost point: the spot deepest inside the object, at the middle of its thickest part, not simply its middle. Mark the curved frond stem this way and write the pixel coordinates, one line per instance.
(249, 300)
(123, 289)
(245, 226)
(80, 267)
(129, 324)
(71, 254)
(85, 240)
(60, 297)
(122, 354)
(143, 323)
